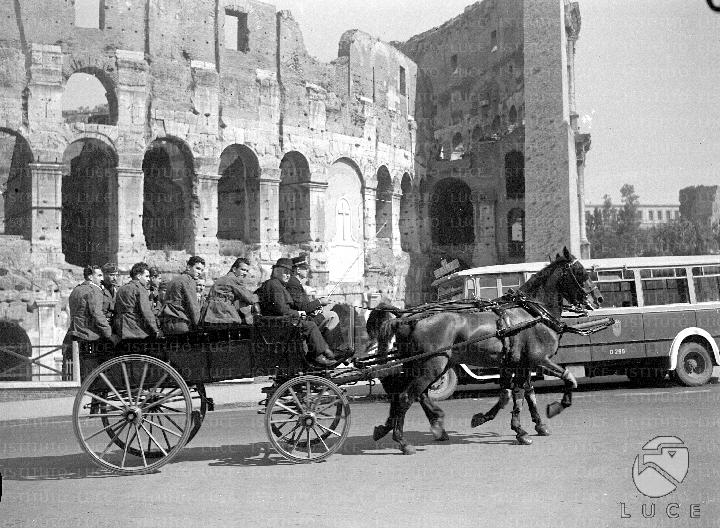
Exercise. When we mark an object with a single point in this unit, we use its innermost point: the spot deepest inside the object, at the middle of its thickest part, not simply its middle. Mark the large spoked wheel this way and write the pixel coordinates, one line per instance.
(133, 414)
(307, 419)
(694, 364)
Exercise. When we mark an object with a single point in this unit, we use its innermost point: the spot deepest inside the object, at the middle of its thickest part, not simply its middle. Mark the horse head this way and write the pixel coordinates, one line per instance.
(576, 285)
(380, 327)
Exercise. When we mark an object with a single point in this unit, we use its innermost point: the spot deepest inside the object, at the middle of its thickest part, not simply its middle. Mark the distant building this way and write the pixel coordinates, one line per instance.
(701, 203)
(650, 215)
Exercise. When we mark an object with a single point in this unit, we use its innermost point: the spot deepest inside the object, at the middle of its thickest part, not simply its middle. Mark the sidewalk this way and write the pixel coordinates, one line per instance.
(225, 395)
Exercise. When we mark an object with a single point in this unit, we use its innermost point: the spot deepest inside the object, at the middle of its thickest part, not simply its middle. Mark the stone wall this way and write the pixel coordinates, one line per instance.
(700, 203)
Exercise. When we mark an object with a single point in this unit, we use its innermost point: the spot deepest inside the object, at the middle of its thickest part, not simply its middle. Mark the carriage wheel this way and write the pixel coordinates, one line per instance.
(197, 393)
(145, 408)
(307, 419)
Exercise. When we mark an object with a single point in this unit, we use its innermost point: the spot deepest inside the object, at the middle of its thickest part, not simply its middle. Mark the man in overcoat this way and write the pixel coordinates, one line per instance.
(316, 309)
(110, 282)
(134, 318)
(276, 300)
(87, 321)
(181, 311)
(229, 301)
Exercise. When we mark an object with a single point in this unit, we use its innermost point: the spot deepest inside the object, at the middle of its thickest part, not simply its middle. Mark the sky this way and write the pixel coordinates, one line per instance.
(646, 82)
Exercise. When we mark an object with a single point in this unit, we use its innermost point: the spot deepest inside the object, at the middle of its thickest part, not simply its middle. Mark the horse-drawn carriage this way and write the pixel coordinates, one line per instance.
(141, 402)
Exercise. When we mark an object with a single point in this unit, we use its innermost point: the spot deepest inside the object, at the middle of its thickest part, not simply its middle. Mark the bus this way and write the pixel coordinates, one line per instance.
(666, 311)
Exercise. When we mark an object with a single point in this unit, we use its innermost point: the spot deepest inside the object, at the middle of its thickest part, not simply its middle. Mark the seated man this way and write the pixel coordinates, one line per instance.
(276, 300)
(181, 311)
(134, 318)
(229, 302)
(315, 309)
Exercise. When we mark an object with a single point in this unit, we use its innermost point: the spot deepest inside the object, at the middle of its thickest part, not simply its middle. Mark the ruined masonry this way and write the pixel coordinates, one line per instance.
(222, 137)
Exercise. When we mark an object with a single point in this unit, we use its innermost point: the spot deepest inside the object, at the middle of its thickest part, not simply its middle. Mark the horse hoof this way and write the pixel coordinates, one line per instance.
(553, 409)
(524, 439)
(439, 432)
(407, 449)
(542, 430)
(380, 431)
(478, 419)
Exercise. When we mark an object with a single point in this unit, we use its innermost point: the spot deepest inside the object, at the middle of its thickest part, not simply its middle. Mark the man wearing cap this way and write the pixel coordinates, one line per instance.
(134, 318)
(87, 321)
(181, 311)
(276, 300)
(229, 302)
(325, 319)
(111, 278)
(156, 295)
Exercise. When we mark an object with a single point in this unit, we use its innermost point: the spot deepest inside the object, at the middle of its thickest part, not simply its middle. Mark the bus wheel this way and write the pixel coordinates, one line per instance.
(694, 365)
(445, 386)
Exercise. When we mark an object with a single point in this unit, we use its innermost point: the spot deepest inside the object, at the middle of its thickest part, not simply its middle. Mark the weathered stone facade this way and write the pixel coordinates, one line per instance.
(223, 137)
(700, 203)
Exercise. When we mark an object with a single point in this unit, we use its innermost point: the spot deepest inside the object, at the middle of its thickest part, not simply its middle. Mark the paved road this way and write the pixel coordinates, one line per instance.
(579, 476)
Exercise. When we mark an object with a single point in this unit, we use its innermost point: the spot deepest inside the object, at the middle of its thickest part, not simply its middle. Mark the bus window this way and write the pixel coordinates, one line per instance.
(511, 280)
(617, 287)
(707, 283)
(470, 287)
(664, 286)
(487, 287)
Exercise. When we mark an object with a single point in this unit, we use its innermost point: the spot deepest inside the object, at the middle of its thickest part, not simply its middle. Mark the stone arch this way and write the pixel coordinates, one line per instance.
(451, 213)
(168, 200)
(477, 133)
(512, 115)
(294, 199)
(495, 127)
(514, 175)
(383, 207)
(14, 339)
(344, 221)
(407, 213)
(15, 184)
(516, 233)
(239, 194)
(97, 117)
(88, 203)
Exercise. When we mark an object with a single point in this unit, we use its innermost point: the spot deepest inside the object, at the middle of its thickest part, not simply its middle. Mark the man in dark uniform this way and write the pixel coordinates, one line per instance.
(314, 308)
(181, 311)
(111, 277)
(229, 302)
(87, 321)
(276, 300)
(134, 318)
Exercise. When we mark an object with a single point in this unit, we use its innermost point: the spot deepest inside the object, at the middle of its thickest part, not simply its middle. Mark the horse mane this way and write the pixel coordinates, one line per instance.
(541, 276)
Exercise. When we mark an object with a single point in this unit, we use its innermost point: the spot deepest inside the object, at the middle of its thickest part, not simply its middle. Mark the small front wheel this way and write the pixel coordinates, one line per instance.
(307, 419)
(694, 364)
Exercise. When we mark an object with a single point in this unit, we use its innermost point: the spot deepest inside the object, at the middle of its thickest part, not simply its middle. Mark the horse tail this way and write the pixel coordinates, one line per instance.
(381, 325)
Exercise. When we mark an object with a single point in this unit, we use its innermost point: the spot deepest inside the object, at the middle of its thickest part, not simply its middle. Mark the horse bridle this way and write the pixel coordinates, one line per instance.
(586, 291)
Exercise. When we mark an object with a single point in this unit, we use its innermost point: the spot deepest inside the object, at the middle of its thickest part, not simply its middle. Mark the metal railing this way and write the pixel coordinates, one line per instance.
(40, 367)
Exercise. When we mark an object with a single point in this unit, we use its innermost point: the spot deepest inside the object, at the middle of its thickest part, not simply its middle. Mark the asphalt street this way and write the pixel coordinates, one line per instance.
(581, 475)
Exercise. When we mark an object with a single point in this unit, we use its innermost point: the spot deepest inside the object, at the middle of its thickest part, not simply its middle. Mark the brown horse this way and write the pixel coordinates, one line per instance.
(481, 337)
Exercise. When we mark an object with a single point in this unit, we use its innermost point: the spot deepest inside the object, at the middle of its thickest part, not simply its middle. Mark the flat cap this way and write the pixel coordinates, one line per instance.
(109, 267)
(285, 263)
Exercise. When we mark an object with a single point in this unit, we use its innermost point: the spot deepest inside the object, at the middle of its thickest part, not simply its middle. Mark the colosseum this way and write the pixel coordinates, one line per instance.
(223, 137)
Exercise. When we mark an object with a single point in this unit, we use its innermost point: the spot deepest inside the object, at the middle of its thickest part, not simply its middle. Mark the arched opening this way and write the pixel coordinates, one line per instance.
(14, 340)
(167, 195)
(15, 184)
(294, 199)
(477, 133)
(495, 127)
(406, 224)
(383, 207)
(512, 115)
(451, 213)
(514, 175)
(238, 195)
(516, 233)
(89, 97)
(344, 221)
(458, 149)
(89, 174)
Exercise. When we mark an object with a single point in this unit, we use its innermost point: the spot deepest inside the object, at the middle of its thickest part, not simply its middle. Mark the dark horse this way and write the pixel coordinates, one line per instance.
(471, 336)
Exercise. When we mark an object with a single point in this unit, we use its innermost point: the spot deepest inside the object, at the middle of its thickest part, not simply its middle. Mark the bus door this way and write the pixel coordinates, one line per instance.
(626, 338)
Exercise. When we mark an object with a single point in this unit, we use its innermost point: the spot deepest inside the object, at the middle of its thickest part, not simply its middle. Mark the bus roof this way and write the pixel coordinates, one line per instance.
(609, 263)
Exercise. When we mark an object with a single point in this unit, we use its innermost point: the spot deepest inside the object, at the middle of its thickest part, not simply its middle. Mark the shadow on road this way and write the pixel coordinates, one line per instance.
(79, 465)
